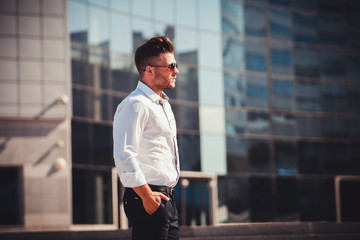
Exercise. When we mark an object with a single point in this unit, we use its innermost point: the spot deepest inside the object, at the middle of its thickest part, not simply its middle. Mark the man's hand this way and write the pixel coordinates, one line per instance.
(151, 200)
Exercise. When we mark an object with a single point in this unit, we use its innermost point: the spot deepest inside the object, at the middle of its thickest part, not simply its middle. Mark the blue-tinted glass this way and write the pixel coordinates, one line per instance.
(120, 5)
(286, 158)
(164, 11)
(330, 6)
(235, 121)
(307, 96)
(284, 3)
(308, 126)
(334, 127)
(189, 152)
(306, 62)
(353, 32)
(331, 30)
(283, 94)
(232, 15)
(102, 3)
(99, 63)
(186, 49)
(255, 56)
(284, 124)
(121, 37)
(353, 95)
(233, 53)
(305, 4)
(258, 123)
(122, 77)
(332, 65)
(99, 27)
(142, 8)
(353, 66)
(237, 159)
(83, 102)
(354, 128)
(282, 59)
(80, 67)
(78, 22)
(186, 85)
(280, 24)
(235, 90)
(305, 28)
(257, 92)
(258, 152)
(254, 21)
(187, 117)
(142, 30)
(209, 15)
(186, 12)
(333, 98)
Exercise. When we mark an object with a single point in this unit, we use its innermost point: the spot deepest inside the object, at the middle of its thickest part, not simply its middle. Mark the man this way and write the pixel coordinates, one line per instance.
(145, 145)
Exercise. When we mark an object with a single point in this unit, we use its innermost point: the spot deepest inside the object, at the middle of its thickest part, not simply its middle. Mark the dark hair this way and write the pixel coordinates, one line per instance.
(152, 48)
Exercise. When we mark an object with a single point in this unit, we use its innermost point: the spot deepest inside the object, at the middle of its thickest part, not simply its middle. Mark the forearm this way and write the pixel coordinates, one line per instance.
(143, 191)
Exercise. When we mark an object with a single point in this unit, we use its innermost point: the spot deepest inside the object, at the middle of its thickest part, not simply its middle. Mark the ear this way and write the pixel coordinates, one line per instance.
(148, 70)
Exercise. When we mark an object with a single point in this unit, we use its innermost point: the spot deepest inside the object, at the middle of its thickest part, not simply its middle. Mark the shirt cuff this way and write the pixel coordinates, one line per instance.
(132, 179)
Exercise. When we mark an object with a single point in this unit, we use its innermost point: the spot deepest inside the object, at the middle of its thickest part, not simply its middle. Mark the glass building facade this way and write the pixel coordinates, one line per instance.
(268, 98)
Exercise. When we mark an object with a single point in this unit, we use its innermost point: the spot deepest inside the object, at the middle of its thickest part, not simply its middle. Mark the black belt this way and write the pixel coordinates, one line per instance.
(164, 189)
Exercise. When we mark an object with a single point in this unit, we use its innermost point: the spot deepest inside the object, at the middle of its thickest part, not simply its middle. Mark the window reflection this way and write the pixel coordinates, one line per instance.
(286, 158)
(283, 94)
(286, 199)
(255, 56)
(307, 96)
(187, 117)
(353, 66)
(80, 67)
(280, 24)
(310, 156)
(336, 158)
(254, 21)
(282, 59)
(186, 45)
(102, 145)
(189, 151)
(141, 8)
(235, 121)
(353, 32)
(306, 62)
(332, 64)
(164, 10)
(258, 123)
(284, 124)
(99, 27)
(83, 103)
(142, 30)
(261, 201)
(257, 92)
(258, 152)
(353, 95)
(304, 28)
(308, 126)
(305, 4)
(120, 38)
(233, 53)
(232, 16)
(123, 5)
(237, 157)
(122, 79)
(333, 98)
(334, 127)
(209, 14)
(283, 3)
(235, 90)
(329, 6)
(209, 50)
(78, 22)
(186, 13)
(354, 128)
(99, 64)
(331, 30)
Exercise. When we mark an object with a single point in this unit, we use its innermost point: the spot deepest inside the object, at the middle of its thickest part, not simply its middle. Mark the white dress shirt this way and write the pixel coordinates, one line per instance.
(145, 145)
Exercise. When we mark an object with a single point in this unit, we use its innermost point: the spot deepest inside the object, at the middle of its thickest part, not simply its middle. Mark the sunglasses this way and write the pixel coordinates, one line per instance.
(171, 66)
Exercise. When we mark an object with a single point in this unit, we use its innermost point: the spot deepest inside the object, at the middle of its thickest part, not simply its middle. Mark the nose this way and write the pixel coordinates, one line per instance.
(176, 71)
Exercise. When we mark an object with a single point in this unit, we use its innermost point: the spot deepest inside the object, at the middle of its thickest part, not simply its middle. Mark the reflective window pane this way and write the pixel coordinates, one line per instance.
(254, 21)
(286, 199)
(283, 3)
(282, 59)
(122, 5)
(332, 65)
(308, 126)
(210, 50)
(232, 15)
(329, 6)
(164, 10)
(258, 153)
(186, 13)
(102, 144)
(141, 31)
(283, 94)
(307, 96)
(310, 155)
(305, 28)
(141, 8)
(233, 53)
(258, 123)
(354, 127)
(187, 117)
(336, 158)
(186, 85)
(257, 92)
(121, 38)
(186, 43)
(334, 127)
(305, 4)
(99, 27)
(99, 64)
(353, 95)
(284, 124)
(122, 79)
(209, 14)
(236, 155)
(255, 55)
(83, 103)
(353, 32)
(235, 90)
(331, 30)
(333, 98)
(261, 204)
(189, 152)
(280, 24)
(235, 121)
(80, 67)
(78, 22)
(306, 62)
(286, 158)
(353, 67)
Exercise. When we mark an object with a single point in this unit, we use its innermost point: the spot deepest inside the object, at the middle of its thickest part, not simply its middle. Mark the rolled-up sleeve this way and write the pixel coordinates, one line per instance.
(128, 126)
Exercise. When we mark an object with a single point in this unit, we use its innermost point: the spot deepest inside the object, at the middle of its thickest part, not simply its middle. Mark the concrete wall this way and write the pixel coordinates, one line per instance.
(35, 116)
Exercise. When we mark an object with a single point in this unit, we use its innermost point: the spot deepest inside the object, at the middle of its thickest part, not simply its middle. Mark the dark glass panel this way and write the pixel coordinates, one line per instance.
(237, 158)
(330, 6)
(310, 157)
(122, 77)
(286, 200)
(80, 67)
(233, 53)
(286, 158)
(78, 22)
(354, 127)
(317, 199)
(308, 126)
(232, 15)
(283, 3)
(254, 21)
(307, 96)
(284, 124)
(306, 62)
(305, 28)
(353, 66)
(261, 200)
(283, 94)
(257, 92)
(355, 155)
(83, 103)
(186, 85)
(81, 133)
(332, 65)
(280, 24)
(352, 8)
(187, 117)
(336, 158)
(235, 90)
(350, 198)
(334, 127)
(234, 198)
(258, 123)
(255, 56)
(258, 152)
(282, 59)
(186, 46)
(353, 32)
(99, 67)
(304, 4)
(102, 147)
(106, 115)
(331, 30)
(235, 121)
(333, 98)
(189, 152)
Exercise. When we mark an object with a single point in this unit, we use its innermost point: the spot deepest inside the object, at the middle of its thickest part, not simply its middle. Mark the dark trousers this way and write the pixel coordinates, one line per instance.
(161, 225)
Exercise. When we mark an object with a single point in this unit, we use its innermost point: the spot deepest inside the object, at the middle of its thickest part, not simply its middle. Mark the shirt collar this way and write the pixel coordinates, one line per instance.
(150, 93)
